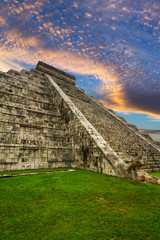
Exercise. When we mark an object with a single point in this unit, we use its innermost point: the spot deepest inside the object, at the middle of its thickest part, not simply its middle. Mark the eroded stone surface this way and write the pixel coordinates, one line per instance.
(31, 134)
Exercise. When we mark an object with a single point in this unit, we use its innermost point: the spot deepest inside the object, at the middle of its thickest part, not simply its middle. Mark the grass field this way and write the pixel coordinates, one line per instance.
(78, 205)
(155, 174)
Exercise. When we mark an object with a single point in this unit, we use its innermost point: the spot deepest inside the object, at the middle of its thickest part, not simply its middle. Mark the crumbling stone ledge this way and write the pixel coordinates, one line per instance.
(141, 176)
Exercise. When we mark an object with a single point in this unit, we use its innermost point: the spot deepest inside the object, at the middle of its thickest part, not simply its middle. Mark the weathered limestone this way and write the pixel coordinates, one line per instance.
(46, 121)
(31, 135)
(60, 75)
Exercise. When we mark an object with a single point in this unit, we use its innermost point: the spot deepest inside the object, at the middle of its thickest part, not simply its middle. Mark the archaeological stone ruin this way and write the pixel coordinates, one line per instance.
(46, 121)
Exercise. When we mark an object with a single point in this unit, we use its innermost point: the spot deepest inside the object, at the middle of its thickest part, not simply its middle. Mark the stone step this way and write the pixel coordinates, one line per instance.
(33, 154)
(28, 105)
(37, 74)
(152, 165)
(12, 126)
(33, 122)
(7, 109)
(24, 81)
(153, 159)
(3, 147)
(11, 97)
(26, 90)
(21, 131)
(26, 102)
(122, 155)
(18, 94)
(47, 121)
(14, 138)
(11, 85)
(126, 150)
(13, 72)
(29, 124)
(30, 77)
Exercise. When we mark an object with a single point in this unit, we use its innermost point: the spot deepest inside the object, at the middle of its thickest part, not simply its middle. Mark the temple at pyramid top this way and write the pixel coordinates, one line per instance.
(45, 68)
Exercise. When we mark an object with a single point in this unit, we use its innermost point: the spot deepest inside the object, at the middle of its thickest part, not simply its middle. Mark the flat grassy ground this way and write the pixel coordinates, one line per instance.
(78, 205)
(155, 174)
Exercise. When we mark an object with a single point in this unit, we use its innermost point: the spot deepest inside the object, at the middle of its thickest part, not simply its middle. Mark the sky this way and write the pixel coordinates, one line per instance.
(111, 46)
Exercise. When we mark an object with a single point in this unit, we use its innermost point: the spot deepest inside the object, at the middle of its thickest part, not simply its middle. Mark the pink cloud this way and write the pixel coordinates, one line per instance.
(88, 15)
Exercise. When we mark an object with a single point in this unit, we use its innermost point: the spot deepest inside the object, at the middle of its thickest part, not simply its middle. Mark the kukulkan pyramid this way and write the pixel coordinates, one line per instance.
(46, 121)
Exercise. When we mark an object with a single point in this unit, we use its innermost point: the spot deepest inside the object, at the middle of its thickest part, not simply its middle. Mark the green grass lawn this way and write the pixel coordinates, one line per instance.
(155, 174)
(78, 205)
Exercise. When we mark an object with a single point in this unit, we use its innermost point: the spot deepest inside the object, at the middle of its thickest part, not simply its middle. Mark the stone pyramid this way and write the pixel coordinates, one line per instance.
(46, 121)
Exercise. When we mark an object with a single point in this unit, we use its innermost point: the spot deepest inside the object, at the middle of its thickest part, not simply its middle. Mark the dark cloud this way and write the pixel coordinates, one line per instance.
(148, 101)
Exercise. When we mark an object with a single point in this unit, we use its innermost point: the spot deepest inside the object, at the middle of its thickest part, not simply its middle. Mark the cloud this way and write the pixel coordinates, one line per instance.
(6, 64)
(2, 21)
(154, 119)
(75, 5)
(126, 100)
(88, 15)
(146, 100)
